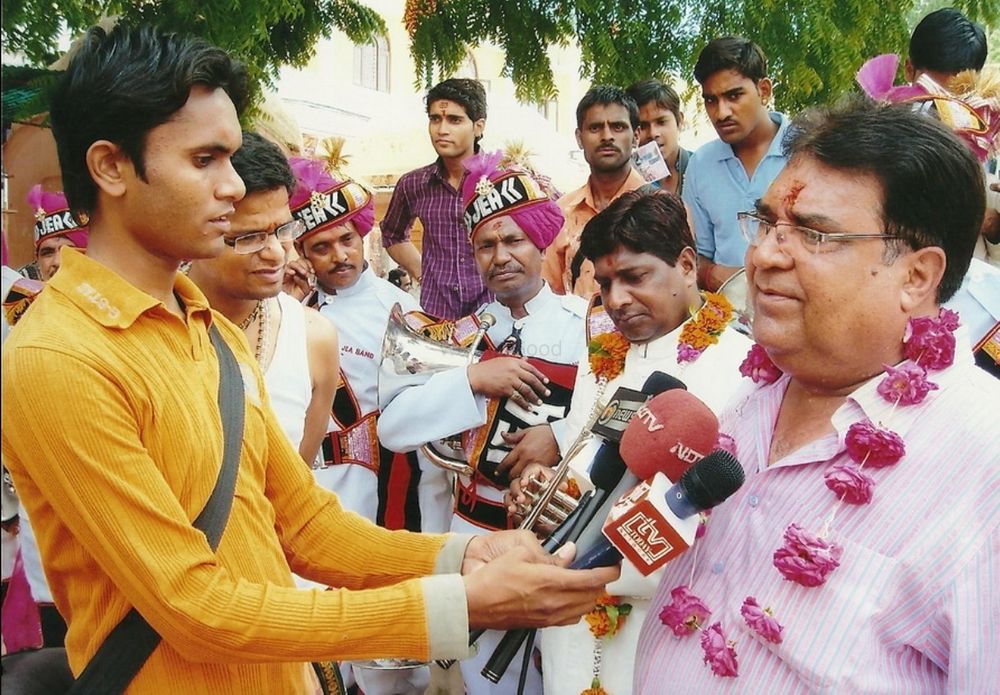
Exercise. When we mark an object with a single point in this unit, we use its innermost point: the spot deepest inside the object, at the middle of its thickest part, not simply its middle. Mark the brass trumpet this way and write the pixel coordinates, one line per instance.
(547, 505)
(410, 359)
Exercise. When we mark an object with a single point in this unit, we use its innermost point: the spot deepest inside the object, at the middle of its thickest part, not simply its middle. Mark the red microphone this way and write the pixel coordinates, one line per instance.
(668, 434)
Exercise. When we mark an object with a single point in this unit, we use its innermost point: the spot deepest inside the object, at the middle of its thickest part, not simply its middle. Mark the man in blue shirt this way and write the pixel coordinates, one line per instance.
(728, 175)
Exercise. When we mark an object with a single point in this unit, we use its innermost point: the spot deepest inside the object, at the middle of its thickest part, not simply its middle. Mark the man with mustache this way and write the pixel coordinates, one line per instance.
(55, 227)
(513, 407)
(295, 347)
(387, 488)
(607, 123)
(727, 175)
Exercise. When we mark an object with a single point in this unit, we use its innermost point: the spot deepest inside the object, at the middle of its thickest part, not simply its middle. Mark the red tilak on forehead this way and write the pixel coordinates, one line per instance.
(793, 194)
(443, 108)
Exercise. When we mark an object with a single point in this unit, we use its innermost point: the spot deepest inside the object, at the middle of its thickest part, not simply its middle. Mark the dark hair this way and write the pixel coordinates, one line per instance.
(604, 95)
(932, 186)
(120, 85)
(643, 221)
(262, 165)
(396, 276)
(947, 41)
(656, 92)
(731, 53)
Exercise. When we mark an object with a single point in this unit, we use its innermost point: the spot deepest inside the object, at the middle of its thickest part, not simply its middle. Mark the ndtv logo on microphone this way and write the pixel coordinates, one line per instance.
(686, 453)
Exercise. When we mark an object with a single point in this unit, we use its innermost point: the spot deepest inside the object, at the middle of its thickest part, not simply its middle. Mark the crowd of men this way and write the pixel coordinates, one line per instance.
(811, 279)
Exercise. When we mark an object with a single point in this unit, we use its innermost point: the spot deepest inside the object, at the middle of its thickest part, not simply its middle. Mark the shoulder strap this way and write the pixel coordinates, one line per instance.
(129, 645)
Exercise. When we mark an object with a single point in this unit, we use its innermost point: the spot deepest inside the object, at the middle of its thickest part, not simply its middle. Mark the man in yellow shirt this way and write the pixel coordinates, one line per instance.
(146, 124)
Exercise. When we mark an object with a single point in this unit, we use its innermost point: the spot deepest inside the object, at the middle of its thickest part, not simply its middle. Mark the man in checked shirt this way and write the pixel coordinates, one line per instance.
(450, 283)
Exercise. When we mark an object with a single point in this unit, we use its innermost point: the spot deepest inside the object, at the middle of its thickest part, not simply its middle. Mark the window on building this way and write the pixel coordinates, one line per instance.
(371, 65)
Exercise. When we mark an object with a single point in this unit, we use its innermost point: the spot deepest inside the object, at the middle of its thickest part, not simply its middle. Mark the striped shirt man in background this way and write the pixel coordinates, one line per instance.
(872, 224)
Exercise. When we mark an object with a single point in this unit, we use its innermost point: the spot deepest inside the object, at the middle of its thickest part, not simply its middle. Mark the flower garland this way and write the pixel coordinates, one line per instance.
(605, 620)
(606, 355)
(804, 557)
(704, 328)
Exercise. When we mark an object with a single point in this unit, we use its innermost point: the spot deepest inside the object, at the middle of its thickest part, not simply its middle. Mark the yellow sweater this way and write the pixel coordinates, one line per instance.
(112, 433)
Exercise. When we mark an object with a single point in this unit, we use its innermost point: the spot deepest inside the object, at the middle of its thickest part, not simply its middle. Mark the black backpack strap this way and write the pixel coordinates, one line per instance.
(129, 645)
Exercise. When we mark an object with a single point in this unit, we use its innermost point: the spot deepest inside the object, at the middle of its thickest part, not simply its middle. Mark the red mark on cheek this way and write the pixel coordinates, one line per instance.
(793, 194)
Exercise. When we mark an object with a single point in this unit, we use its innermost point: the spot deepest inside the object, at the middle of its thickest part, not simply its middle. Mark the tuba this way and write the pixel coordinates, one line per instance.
(410, 359)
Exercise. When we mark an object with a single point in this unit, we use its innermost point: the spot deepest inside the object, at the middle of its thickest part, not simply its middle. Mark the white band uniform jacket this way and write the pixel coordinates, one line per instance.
(361, 313)
(553, 330)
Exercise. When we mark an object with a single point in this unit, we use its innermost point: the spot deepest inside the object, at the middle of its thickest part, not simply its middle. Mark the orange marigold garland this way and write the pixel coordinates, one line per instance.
(605, 620)
(573, 488)
(704, 328)
(607, 355)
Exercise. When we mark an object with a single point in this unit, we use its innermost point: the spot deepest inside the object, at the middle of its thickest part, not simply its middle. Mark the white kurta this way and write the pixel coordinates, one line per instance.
(568, 652)
(553, 330)
(288, 381)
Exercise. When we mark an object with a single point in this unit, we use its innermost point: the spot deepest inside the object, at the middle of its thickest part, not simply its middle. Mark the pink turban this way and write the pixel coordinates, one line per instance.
(490, 192)
(53, 218)
(320, 201)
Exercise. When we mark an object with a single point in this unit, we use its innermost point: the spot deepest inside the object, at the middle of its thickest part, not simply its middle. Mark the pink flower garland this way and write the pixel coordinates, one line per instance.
(873, 446)
(720, 654)
(931, 342)
(685, 613)
(759, 367)
(906, 384)
(805, 558)
(849, 483)
(761, 620)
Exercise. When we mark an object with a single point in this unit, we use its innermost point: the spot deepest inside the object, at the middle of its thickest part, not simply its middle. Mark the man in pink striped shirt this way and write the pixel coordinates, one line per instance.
(876, 557)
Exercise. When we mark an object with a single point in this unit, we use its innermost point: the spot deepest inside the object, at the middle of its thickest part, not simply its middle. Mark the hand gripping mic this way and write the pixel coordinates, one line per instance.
(607, 468)
(665, 436)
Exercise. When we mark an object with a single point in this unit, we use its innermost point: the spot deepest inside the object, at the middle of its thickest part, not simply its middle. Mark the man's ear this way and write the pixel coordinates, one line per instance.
(909, 72)
(924, 270)
(579, 142)
(478, 127)
(109, 167)
(687, 261)
(765, 88)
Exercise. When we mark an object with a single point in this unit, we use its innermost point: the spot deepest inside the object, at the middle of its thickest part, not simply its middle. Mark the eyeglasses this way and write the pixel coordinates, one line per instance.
(253, 242)
(755, 229)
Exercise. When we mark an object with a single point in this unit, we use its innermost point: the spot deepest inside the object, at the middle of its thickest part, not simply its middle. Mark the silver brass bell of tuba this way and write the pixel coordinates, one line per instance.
(410, 359)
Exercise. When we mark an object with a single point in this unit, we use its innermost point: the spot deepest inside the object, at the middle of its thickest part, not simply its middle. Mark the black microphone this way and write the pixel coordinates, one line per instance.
(608, 469)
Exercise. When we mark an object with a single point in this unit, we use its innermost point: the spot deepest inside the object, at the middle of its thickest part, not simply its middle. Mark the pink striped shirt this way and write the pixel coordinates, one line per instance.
(914, 606)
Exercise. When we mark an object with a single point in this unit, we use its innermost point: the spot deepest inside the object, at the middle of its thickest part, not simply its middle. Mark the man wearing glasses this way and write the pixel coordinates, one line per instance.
(861, 551)
(295, 347)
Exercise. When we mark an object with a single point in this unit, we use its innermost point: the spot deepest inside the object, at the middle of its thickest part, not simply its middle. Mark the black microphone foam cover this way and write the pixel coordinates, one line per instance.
(713, 479)
(608, 467)
(658, 382)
